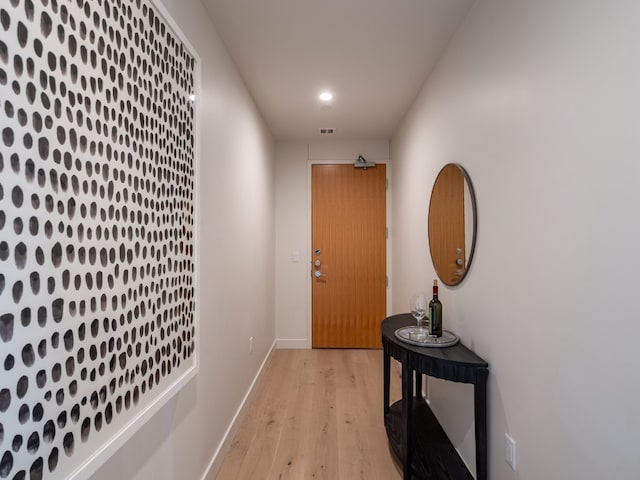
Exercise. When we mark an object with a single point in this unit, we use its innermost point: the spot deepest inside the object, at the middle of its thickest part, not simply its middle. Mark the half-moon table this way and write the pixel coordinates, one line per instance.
(415, 435)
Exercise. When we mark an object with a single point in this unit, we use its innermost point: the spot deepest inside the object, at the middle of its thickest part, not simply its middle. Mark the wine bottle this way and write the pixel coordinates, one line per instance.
(435, 313)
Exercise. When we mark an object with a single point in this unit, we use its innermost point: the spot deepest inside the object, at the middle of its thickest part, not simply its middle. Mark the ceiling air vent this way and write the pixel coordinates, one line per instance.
(326, 131)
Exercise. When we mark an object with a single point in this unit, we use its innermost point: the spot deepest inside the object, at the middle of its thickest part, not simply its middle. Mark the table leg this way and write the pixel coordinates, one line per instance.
(480, 413)
(386, 369)
(407, 416)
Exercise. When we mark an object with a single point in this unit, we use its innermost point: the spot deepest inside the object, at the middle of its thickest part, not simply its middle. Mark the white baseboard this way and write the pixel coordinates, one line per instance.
(218, 457)
(295, 343)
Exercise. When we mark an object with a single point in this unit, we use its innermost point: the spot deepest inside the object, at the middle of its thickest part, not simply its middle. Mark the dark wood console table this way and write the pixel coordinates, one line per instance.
(415, 435)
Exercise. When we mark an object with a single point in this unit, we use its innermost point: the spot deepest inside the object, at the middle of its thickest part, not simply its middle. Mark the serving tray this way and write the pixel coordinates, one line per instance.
(420, 336)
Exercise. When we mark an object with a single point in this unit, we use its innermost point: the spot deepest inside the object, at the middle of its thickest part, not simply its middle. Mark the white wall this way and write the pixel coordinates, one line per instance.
(539, 100)
(237, 242)
(293, 227)
(292, 246)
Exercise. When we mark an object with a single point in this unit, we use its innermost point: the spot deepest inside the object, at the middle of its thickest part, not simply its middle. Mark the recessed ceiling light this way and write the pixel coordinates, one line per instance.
(326, 96)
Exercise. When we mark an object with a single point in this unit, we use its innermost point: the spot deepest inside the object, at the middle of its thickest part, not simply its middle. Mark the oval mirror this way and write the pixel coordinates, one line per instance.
(452, 224)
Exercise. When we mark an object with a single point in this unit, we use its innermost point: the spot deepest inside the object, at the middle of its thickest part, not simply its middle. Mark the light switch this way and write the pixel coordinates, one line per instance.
(295, 256)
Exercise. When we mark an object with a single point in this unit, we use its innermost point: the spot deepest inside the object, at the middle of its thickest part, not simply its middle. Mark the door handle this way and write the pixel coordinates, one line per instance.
(319, 274)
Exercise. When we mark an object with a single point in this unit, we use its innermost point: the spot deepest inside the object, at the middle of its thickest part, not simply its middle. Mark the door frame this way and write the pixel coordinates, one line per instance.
(308, 247)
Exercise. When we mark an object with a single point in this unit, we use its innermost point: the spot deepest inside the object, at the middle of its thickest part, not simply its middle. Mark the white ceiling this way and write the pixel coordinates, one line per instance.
(373, 54)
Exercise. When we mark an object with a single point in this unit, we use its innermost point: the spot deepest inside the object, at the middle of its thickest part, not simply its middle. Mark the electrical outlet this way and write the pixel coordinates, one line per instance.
(510, 451)
(250, 344)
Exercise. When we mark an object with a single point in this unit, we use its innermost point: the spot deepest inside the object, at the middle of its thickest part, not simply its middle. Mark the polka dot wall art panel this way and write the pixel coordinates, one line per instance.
(98, 293)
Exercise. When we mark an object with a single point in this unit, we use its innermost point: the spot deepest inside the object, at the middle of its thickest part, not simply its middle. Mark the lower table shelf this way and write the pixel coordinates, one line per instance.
(434, 457)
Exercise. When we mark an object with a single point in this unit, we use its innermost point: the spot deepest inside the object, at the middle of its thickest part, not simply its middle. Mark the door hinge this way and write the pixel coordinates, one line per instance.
(386, 233)
(387, 280)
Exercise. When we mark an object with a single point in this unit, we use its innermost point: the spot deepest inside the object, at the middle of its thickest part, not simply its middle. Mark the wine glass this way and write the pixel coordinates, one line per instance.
(419, 307)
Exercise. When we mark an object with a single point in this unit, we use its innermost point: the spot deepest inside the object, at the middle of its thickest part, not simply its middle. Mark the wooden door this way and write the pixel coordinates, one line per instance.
(348, 217)
(446, 230)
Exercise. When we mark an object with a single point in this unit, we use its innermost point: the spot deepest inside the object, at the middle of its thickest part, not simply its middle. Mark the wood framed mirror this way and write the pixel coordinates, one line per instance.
(452, 224)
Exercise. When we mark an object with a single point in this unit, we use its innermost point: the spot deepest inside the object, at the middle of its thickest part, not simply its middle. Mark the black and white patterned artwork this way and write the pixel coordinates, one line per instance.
(97, 228)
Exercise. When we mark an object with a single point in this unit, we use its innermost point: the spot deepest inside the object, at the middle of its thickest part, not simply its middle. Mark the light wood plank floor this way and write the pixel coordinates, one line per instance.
(316, 414)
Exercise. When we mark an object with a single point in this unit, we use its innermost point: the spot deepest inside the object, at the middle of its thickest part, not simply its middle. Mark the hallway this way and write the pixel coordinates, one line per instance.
(316, 414)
